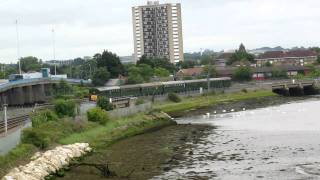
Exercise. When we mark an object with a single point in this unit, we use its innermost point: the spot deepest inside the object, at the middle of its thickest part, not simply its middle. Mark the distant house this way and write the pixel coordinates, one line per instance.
(290, 58)
(262, 73)
(222, 59)
(190, 72)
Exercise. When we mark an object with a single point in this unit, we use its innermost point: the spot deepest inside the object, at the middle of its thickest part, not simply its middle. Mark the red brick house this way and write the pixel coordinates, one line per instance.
(290, 58)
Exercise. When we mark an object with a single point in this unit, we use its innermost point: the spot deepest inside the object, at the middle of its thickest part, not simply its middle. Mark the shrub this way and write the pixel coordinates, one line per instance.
(43, 117)
(174, 97)
(36, 137)
(242, 74)
(244, 90)
(98, 115)
(65, 108)
(104, 103)
(139, 102)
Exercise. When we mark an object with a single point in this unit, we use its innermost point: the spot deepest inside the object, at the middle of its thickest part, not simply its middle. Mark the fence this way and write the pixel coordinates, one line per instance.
(117, 113)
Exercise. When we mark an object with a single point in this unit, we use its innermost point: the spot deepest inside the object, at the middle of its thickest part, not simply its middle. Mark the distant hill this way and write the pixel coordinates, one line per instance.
(266, 49)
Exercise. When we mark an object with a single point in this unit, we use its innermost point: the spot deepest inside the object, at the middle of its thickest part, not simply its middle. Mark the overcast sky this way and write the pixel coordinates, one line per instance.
(85, 27)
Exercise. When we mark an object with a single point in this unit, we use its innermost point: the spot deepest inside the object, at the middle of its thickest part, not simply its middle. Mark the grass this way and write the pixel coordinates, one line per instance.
(19, 155)
(114, 130)
(209, 100)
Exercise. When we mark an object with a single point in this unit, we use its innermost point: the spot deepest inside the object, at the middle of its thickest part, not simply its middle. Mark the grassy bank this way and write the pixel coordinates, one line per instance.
(105, 135)
(194, 103)
(68, 131)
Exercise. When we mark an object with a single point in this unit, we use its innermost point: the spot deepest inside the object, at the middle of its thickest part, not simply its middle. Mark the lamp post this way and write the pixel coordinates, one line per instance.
(18, 47)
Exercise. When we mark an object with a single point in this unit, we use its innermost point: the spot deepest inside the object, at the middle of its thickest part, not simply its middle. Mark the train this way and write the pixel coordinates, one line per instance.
(161, 88)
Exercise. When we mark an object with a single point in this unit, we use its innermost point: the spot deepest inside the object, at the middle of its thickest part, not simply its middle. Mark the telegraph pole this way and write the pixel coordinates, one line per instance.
(5, 119)
(54, 50)
(18, 47)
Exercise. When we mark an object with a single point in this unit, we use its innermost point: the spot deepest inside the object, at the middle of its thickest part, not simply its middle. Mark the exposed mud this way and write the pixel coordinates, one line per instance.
(144, 156)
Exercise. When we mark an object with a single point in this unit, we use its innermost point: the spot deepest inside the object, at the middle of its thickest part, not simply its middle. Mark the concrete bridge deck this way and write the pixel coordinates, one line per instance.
(296, 87)
(30, 91)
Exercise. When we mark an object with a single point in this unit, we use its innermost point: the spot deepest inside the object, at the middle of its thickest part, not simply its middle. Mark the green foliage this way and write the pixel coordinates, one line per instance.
(51, 132)
(62, 89)
(242, 74)
(278, 73)
(65, 108)
(160, 72)
(157, 63)
(36, 137)
(43, 117)
(209, 69)
(81, 92)
(101, 76)
(268, 64)
(98, 115)
(145, 71)
(244, 90)
(104, 103)
(30, 63)
(206, 59)
(111, 62)
(174, 97)
(186, 64)
(139, 102)
(241, 55)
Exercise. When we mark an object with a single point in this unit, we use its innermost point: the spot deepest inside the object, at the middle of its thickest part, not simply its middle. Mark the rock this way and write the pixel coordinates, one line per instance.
(52, 161)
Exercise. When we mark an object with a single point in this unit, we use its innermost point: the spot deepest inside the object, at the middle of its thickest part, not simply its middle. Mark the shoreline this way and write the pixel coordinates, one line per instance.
(121, 129)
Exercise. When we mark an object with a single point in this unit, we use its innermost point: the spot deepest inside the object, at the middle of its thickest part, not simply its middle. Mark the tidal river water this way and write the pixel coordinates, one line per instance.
(279, 142)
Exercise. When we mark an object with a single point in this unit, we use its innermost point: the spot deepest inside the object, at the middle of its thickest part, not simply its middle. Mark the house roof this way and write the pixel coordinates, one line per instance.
(191, 71)
(282, 54)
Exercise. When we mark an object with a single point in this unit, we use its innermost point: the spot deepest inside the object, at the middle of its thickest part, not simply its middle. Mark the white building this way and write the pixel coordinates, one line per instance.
(157, 31)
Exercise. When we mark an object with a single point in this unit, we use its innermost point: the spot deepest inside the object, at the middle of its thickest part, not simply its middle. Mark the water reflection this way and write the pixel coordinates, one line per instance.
(279, 142)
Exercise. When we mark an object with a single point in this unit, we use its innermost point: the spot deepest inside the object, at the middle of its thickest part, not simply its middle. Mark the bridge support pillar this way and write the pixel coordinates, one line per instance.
(28, 95)
(17, 96)
(38, 93)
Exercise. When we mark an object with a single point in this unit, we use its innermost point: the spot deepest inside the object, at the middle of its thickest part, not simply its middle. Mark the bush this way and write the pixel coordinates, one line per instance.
(244, 90)
(65, 108)
(38, 138)
(174, 97)
(104, 103)
(98, 115)
(139, 102)
(242, 74)
(43, 117)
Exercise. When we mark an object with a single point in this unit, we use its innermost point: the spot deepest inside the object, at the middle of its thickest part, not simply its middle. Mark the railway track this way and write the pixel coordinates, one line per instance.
(14, 122)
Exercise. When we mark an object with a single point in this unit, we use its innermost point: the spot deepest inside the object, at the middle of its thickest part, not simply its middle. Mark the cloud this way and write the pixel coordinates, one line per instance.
(87, 27)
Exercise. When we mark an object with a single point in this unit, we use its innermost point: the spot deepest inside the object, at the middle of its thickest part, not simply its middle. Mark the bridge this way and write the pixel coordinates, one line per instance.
(30, 91)
(296, 88)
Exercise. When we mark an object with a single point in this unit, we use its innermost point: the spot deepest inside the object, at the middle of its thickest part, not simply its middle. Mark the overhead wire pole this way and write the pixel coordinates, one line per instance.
(18, 47)
(54, 51)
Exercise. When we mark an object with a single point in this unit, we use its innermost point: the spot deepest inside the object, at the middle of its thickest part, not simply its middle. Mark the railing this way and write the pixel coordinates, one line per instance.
(13, 123)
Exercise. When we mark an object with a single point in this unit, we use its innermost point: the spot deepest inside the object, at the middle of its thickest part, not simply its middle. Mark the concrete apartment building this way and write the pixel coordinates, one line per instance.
(157, 31)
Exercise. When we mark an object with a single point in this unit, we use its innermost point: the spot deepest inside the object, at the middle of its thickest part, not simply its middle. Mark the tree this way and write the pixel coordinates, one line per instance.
(241, 55)
(63, 88)
(145, 60)
(157, 62)
(186, 64)
(146, 72)
(206, 59)
(242, 74)
(160, 72)
(278, 73)
(100, 77)
(209, 69)
(104, 103)
(30, 63)
(135, 75)
(111, 62)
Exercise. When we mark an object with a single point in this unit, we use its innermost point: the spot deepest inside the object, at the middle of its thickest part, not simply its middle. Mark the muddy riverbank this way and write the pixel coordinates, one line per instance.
(144, 156)
(149, 155)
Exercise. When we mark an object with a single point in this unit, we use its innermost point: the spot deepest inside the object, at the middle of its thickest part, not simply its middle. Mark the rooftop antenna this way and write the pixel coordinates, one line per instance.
(18, 47)
(54, 51)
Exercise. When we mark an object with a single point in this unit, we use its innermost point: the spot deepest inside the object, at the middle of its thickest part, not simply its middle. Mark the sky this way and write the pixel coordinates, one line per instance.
(85, 27)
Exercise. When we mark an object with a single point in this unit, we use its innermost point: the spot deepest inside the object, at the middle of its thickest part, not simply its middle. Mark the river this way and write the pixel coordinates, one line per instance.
(279, 142)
